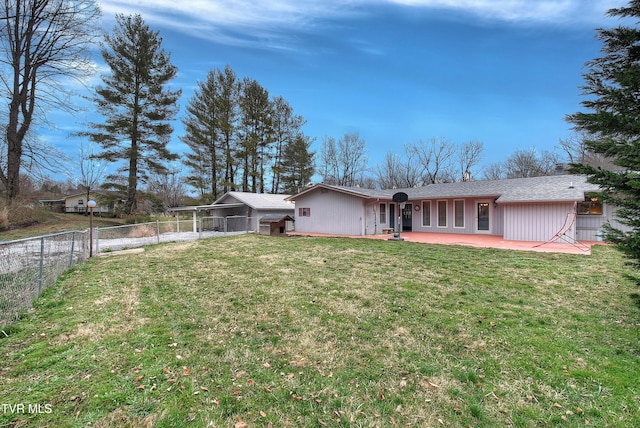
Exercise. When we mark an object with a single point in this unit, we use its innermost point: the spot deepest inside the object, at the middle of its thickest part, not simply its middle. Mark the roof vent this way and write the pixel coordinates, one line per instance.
(571, 185)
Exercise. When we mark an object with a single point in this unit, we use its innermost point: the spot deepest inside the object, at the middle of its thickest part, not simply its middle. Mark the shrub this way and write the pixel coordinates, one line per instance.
(20, 214)
(4, 218)
(137, 218)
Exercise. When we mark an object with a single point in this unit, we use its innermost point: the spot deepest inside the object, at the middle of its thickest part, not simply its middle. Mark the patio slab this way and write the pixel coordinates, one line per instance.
(481, 241)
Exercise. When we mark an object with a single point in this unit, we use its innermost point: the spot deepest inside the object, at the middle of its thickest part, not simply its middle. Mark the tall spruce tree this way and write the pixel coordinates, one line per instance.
(297, 164)
(135, 103)
(612, 88)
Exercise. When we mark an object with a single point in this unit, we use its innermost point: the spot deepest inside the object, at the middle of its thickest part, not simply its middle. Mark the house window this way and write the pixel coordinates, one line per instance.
(458, 212)
(426, 213)
(80, 202)
(304, 212)
(590, 206)
(442, 213)
(383, 213)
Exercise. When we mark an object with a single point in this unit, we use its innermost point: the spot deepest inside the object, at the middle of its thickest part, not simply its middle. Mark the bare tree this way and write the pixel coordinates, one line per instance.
(169, 187)
(469, 155)
(495, 171)
(344, 163)
(394, 173)
(42, 44)
(353, 161)
(529, 163)
(328, 162)
(435, 156)
(389, 171)
(577, 152)
(91, 169)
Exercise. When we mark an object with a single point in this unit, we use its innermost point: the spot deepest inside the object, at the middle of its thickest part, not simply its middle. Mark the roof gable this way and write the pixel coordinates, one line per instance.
(353, 191)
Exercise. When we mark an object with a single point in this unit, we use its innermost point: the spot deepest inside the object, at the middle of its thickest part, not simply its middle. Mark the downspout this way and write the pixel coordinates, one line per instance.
(375, 217)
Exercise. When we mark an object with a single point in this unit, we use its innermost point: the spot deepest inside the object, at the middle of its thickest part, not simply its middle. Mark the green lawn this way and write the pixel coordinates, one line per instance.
(289, 332)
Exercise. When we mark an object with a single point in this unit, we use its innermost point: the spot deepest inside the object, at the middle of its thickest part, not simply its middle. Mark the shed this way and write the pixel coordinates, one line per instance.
(274, 224)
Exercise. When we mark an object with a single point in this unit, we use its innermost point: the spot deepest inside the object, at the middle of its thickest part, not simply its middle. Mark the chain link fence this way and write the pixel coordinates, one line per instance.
(28, 266)
(116, 238)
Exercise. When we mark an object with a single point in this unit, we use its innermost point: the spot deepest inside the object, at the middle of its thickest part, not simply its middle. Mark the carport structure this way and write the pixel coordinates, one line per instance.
(252, 206)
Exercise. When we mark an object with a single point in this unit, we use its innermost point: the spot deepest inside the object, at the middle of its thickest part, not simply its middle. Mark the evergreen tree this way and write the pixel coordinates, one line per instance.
(612, 88)
(227, 102)
(202, 129)
(135, 103)
(297, 164)
(255, 134)
(286, 129)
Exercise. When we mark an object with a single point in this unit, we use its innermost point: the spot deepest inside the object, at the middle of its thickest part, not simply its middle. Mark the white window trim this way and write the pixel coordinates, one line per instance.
(446, 214)
(455, 214)
(382, 206)
(423, 203)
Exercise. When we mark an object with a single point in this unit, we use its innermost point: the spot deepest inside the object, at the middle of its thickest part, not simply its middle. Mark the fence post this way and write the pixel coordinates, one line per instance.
(158, 230)
(225, 226)
(200, 231)
(73, 244)
(41, 265)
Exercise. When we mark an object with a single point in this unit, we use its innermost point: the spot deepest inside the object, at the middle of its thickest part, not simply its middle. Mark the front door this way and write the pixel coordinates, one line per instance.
(484, 224)
(407, 221)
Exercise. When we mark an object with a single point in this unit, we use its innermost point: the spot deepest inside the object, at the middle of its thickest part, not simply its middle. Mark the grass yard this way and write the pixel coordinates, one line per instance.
(254, 331)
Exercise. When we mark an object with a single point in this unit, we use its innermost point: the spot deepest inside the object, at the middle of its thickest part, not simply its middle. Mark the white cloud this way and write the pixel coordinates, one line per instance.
(542, 11)
(240, 22)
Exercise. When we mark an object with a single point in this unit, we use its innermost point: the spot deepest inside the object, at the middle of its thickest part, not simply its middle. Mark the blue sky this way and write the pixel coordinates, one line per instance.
(503, 72)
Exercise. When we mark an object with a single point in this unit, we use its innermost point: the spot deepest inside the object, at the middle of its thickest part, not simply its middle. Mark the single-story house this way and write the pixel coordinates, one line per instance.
(526, 209)
(242, 207)
(77, 203)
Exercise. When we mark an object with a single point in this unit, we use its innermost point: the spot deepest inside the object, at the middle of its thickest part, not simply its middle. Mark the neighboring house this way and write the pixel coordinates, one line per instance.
(77, 203)
(526, 209)
(252, 206)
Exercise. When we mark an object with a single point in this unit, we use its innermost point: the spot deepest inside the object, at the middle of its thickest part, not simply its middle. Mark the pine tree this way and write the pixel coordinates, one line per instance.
(297, 164)
(612, 90)
(286, 128)
(256, 134)
(202, 136)
(135, 103)
(227, 102)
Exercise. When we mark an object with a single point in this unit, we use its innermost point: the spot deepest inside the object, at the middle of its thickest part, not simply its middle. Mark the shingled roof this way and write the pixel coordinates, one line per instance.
(555, 188)
(258, 201)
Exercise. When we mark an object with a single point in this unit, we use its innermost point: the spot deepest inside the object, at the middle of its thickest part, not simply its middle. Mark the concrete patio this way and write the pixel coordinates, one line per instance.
(481, 241)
